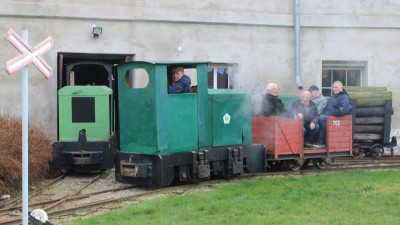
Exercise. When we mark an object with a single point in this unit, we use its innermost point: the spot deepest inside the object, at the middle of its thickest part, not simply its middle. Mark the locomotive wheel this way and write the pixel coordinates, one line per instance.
(322, 163)
(358, 151)
(274, 165)
(294, 164)
(377, 151)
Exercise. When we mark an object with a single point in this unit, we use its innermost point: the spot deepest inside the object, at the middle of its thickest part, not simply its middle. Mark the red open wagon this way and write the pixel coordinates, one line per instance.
(284, 140)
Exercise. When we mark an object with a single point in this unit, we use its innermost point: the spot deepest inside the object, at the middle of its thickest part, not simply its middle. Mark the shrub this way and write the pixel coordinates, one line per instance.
(39, 150)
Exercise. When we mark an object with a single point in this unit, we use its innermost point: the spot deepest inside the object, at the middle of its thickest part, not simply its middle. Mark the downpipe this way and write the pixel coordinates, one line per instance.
(297, 44)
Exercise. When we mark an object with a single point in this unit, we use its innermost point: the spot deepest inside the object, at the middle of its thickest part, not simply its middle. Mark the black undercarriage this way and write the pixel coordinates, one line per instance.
(191, 166)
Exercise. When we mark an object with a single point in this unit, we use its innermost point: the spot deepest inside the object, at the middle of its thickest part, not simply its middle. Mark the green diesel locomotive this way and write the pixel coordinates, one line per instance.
(86, 128)
(181, 137)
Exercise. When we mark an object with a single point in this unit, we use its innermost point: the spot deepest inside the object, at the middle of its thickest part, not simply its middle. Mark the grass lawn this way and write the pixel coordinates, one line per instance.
(355, 197)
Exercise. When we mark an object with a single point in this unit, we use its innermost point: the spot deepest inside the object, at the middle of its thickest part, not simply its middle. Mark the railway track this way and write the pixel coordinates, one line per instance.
(78, 203)
(366, 161)
(61, 193)
(89, 197)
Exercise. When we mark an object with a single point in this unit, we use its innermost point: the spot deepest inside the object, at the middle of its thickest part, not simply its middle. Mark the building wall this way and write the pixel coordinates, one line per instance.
(256, 34)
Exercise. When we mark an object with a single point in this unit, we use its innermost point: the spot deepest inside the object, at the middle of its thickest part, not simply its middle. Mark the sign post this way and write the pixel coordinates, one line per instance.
(25, 129)
(28, 55)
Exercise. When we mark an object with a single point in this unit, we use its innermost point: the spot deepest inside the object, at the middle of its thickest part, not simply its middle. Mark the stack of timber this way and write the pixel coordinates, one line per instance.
(372, 112)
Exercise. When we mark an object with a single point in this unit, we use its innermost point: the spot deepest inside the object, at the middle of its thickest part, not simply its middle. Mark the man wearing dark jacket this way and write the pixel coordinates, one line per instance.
(181, 82)
(338, 105)
(272, 105)
(307, 110)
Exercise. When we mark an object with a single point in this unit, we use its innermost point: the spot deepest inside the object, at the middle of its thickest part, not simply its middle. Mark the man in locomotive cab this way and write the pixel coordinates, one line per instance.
(272, 105)
(307, 110)
(181, 82)
(338, 105)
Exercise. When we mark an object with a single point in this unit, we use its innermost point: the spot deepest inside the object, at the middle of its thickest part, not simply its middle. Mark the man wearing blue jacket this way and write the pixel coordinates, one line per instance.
(338, 105)
(181, 82)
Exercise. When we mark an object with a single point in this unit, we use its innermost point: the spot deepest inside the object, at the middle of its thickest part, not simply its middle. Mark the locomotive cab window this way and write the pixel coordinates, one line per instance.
(181, 80)
(137, 78)
(223, 76)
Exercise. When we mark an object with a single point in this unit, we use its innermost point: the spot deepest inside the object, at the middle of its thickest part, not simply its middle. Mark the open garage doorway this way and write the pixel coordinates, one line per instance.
(88, 69)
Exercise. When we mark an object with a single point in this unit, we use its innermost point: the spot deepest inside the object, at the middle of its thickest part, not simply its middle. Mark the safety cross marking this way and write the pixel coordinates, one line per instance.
(29, 54)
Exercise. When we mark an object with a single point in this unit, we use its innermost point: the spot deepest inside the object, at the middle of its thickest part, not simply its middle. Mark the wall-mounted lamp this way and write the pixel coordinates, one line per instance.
(96, 31)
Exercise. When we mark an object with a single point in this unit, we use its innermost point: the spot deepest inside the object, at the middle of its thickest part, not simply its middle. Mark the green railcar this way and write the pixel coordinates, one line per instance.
(181, 137)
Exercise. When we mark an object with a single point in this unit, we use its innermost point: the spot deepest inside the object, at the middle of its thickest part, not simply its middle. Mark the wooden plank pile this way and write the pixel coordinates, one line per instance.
(372, 111)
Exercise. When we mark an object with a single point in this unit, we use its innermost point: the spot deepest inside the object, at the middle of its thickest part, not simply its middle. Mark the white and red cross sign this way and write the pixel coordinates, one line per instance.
(28, 54)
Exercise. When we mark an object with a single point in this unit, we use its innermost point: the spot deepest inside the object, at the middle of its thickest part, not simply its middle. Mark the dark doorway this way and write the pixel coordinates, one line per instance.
(88, 69)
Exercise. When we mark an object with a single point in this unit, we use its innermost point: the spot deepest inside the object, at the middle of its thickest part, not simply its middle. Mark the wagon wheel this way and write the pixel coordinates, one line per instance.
(305, 164)
(322, 163)
(294, 164)
(274, 165)
(377, 150)
(358, 151)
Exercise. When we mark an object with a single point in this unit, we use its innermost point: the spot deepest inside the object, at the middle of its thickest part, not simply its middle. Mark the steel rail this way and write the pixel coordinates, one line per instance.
(61, 200)
(34, 192)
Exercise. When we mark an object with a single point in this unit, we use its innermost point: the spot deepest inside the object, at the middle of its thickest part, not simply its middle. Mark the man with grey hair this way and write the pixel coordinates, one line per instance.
(307, 110)
(272, 105)
(339, 104)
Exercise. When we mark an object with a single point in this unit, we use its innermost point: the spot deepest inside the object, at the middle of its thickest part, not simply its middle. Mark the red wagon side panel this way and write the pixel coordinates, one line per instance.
(282, 136)
(339, 134)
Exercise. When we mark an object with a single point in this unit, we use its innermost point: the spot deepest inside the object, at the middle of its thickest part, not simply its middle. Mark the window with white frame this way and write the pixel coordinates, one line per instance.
(350, 73)
(222, 76)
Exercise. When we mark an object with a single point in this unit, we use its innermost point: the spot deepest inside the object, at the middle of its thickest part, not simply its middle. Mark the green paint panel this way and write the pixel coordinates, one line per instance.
(182, 120)
(230, 113)
(288, 100)
(204, 124)
(151, 121)
(84, 107)
(138, 111)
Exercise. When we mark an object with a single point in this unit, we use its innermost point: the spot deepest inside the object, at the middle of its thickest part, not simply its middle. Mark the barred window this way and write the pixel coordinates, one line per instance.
(350, 73)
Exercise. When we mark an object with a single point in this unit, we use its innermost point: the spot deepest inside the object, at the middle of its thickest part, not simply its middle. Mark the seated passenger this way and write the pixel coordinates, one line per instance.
(317, 98)
(272, 105)
(181, 82)
(338, 105)
(305, 109)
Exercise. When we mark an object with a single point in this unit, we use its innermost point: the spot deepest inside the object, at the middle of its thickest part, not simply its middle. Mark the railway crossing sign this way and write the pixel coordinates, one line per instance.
(28, 54)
